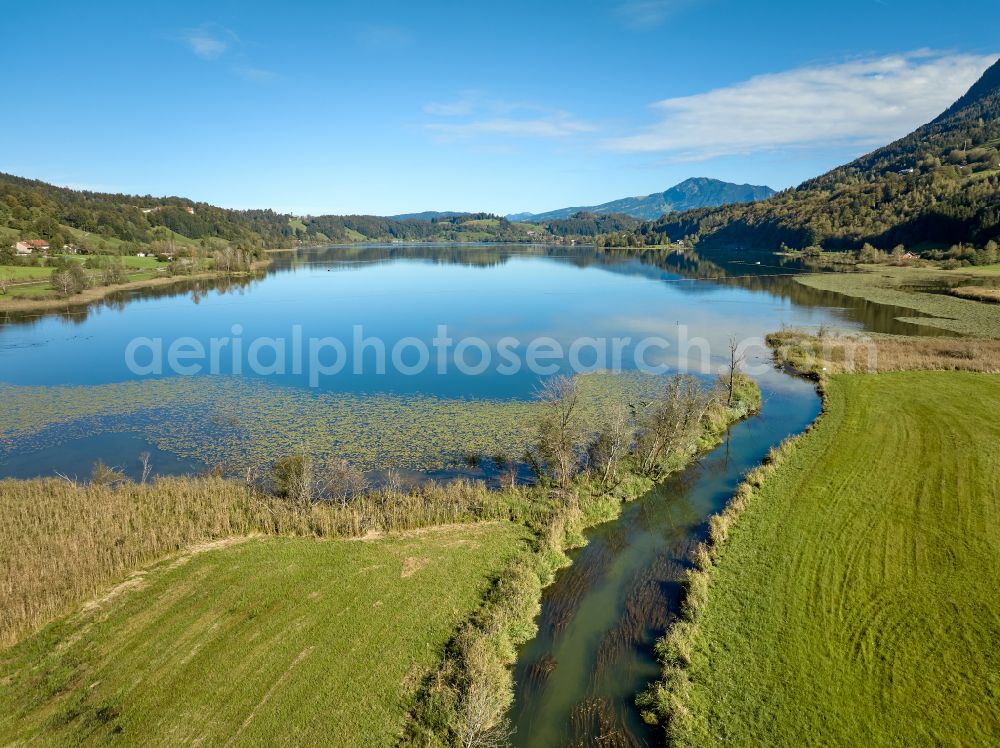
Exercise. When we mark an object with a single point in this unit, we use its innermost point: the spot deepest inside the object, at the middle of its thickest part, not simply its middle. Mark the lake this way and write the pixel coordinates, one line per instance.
(84, 384)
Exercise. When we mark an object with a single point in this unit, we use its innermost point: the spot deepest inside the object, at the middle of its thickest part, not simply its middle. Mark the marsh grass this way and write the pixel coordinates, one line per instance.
(899, 287)
(265, 641)
(61, 543)
(851, 354)
(987, 294)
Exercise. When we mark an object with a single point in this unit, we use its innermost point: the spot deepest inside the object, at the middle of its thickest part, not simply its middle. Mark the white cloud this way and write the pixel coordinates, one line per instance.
(206, 44)
(555, 126)
(475, 114)
(211, 42)
(858, 103)
(376, 37)
(460, 108)
(256, 75)
(640, 15)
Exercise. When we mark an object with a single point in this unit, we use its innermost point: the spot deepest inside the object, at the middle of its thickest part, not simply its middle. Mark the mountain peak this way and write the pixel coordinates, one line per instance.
(696, 192)
(985, 88)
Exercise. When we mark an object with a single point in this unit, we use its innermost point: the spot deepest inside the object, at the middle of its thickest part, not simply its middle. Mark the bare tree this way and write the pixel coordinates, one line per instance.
(612, 443)
(736, 359)
(71, 481)
(115, 273)
(250, 477)
(340, 481)
(392, 481)
(670, 424)
(482, 704)
(63, 282)
(4, 285)
(294, 477)
(223, 260)
(508, 473)
(483, 724)
(560, 436)
(147, 467)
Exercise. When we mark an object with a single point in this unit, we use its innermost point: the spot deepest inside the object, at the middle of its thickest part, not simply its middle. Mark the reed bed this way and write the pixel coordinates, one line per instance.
(923, 290)
(987, 294)
(62, 543)
(821, 355)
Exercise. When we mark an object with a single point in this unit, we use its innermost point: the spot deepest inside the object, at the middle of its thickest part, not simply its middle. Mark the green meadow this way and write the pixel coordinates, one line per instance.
(271, 641)
(855, 600)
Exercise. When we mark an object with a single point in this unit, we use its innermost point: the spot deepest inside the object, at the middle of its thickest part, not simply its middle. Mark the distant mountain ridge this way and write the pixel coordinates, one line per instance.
(699, 192)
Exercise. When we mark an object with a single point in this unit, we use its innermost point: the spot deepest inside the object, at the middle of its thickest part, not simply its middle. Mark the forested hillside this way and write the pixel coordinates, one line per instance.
(93, 221)
(30, 209)
(938, 186)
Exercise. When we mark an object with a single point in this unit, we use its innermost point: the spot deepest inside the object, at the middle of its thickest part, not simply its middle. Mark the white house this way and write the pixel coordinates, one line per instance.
(31, 245)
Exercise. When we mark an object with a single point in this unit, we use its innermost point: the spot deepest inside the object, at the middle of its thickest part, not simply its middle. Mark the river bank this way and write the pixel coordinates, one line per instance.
(469, 697)
(807, 617)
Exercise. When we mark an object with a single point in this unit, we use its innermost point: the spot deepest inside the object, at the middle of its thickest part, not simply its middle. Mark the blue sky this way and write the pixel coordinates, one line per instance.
(386, 107)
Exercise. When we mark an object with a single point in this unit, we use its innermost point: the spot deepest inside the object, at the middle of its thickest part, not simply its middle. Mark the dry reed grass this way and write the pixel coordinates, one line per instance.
(61, 544)
(990, 295)
(856, 354)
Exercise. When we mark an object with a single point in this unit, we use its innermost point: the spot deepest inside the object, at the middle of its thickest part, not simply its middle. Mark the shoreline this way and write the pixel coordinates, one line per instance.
(99, 293)
(923, 290)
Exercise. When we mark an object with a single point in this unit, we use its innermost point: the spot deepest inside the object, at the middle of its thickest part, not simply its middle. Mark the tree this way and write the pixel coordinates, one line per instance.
(560, 435)
(294, 478)
(670, 424)
(102, 475)
(482, 706)
(147, 466)
(870, 254)
(991, 253)
(114, 273)
(736, 359)
(612, 443)
(4, 284)
(63, 282)
(81, 280)
(340, 481)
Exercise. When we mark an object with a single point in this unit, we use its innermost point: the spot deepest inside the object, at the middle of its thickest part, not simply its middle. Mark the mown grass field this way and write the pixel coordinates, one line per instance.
(262, 642)
(19, 274)
(856, 600)
(35, 281)
(983, 270)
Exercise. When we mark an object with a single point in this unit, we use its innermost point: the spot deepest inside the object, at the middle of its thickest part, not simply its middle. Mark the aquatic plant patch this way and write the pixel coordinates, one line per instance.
(235, 423)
